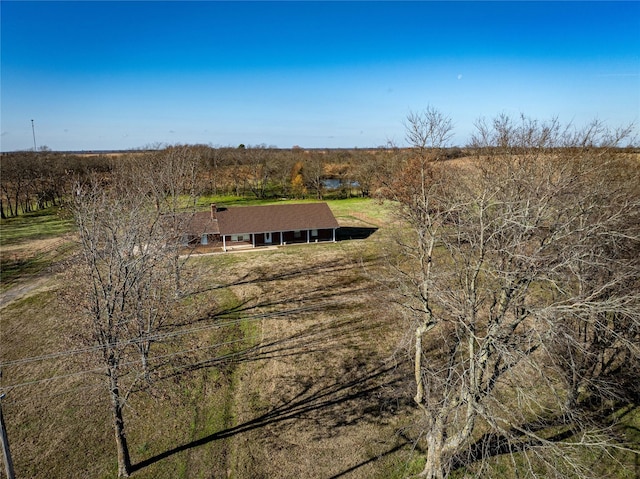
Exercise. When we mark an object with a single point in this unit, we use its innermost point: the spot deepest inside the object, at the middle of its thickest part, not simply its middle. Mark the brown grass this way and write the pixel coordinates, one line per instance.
(319, 388)
(312, 392)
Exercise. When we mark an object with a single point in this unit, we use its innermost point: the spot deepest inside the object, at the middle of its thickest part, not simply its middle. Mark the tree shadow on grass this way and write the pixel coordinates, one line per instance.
(335, 300)
(285, 272)
(363, 397)
(404, 442)
(313, 339)
(350, 393)
(339, 283)
(495, 444)
(555, 430)
(345, 233)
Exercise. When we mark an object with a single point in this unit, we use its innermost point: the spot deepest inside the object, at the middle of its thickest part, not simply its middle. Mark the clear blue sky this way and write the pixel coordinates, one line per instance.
(116, 75)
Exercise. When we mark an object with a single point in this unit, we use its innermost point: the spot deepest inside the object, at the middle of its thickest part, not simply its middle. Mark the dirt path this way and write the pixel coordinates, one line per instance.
(47, 250)
(22, 290)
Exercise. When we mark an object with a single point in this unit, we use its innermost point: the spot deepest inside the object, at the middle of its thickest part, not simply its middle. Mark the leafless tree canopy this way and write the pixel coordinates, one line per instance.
(129, 229)
(520, 275)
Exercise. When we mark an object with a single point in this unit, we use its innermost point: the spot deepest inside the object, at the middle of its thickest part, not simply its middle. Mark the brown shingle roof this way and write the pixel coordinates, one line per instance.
(261, 219)
(202, 223)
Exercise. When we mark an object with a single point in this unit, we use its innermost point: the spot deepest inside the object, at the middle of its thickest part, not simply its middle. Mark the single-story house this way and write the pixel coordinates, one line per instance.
(262, 225)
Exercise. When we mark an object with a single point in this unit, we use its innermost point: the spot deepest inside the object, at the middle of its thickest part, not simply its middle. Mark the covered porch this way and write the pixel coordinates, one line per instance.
(278, 238)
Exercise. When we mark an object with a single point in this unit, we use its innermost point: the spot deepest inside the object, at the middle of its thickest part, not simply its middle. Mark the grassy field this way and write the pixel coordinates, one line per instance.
(31, 243)
(299, 369)
(309, 389)
(34, 226)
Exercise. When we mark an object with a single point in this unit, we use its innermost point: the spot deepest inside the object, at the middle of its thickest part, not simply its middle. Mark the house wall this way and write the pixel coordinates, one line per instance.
(277, 238)
(214, 239)
(196, 240)
(323, 235)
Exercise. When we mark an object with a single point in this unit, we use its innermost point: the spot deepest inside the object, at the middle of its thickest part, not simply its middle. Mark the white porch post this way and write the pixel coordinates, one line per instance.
(224, 243)
(334, 235)
(308, 232)
(281, 238)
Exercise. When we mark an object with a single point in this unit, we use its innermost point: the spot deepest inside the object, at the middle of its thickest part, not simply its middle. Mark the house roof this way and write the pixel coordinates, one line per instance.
(271, 218)
(202, 223)
(262, 219)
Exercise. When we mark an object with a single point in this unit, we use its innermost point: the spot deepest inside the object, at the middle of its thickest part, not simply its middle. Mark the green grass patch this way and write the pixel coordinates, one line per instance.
(401, 466)
(38, 225)
(15, 267)
(200, 404)
(230, 200)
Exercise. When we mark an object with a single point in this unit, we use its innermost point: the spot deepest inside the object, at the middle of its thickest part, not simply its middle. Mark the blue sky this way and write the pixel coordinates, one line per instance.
(116, 75)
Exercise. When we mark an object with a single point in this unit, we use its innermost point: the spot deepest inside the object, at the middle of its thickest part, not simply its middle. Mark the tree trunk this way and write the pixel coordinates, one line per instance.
(433, 467)
(144, 354)
(124, 460)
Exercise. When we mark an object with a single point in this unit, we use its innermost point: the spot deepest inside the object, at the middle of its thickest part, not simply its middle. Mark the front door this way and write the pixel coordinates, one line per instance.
(267, 238)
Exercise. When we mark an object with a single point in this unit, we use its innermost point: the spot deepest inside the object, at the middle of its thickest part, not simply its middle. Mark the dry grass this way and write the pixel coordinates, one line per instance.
(326, 387)
(311, 392)
(317, 388)
(20, 262)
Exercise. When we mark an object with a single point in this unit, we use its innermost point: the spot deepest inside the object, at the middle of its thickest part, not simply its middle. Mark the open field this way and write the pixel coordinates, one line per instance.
(29, 244)
(309, 387)
(292, 366)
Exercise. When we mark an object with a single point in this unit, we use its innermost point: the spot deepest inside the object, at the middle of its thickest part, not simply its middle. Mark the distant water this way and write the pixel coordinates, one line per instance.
(335, 183)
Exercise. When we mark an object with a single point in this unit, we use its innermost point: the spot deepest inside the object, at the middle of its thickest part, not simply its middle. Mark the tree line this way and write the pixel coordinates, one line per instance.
(35, 181)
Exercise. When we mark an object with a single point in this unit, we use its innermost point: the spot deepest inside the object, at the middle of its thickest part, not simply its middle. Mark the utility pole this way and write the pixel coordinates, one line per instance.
(8, 462)
(33, 129)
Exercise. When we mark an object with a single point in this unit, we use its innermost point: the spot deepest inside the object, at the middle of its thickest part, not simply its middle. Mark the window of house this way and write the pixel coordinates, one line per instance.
(314, 232)
(297, 234)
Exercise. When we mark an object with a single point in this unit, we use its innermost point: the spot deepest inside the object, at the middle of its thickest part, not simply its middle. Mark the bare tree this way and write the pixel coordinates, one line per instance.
(493, 275)
(111, 243)
(129, 227)
(39, 180)
(284, 163)
(427, 129)
(170, 178)
(314, 169)
(365, 167)
(260, 169)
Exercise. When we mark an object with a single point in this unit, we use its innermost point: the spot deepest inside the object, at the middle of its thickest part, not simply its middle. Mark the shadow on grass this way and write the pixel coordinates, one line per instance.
(32, 226)
(336, 297)
(555, 430)
(352, 392)
(406, 442)
(314, 339)
(345, 233)
(340, 283)
(364, 394)
(16, 268)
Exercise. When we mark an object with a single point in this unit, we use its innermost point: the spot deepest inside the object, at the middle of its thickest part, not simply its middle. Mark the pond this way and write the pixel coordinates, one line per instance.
(336, 183)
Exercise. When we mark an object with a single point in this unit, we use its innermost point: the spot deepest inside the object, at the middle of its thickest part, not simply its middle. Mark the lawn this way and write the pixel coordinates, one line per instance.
(31, 226)
(31, 243)
(298, 385)
(295, 368)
